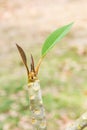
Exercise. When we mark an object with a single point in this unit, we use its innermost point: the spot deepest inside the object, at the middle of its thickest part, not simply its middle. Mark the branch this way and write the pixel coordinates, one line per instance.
(79, 124)
(36, 106)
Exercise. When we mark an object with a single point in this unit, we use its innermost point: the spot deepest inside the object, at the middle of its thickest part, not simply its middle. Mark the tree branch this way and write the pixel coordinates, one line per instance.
(79, 124)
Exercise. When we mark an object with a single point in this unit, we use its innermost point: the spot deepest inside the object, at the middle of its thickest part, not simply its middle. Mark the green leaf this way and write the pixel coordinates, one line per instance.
(55, 37)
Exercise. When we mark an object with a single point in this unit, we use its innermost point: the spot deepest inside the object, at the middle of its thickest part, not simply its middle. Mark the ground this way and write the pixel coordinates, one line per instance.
(63, 73)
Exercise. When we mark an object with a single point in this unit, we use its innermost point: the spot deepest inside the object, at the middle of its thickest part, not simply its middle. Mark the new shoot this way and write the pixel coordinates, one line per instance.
(35, 97)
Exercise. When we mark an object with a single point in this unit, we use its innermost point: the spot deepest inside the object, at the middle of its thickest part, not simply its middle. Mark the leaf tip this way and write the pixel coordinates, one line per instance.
(71, 23)
(16, 44)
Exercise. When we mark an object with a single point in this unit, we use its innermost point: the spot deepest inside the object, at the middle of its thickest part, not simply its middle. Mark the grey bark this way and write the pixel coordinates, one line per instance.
(36, 106)
(79, 124)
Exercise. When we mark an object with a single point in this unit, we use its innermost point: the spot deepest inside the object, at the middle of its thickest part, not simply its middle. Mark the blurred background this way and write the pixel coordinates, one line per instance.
(63, 73)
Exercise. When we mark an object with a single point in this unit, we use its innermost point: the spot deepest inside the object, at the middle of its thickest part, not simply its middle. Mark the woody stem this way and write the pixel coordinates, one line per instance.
(36, 106)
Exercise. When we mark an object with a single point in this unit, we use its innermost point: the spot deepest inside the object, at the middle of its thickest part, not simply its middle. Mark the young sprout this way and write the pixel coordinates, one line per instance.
(36, 104)
(31, 73)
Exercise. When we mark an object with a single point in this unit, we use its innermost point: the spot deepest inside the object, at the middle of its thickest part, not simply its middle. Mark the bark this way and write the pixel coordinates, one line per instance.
(79, 124)
(36, 106)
